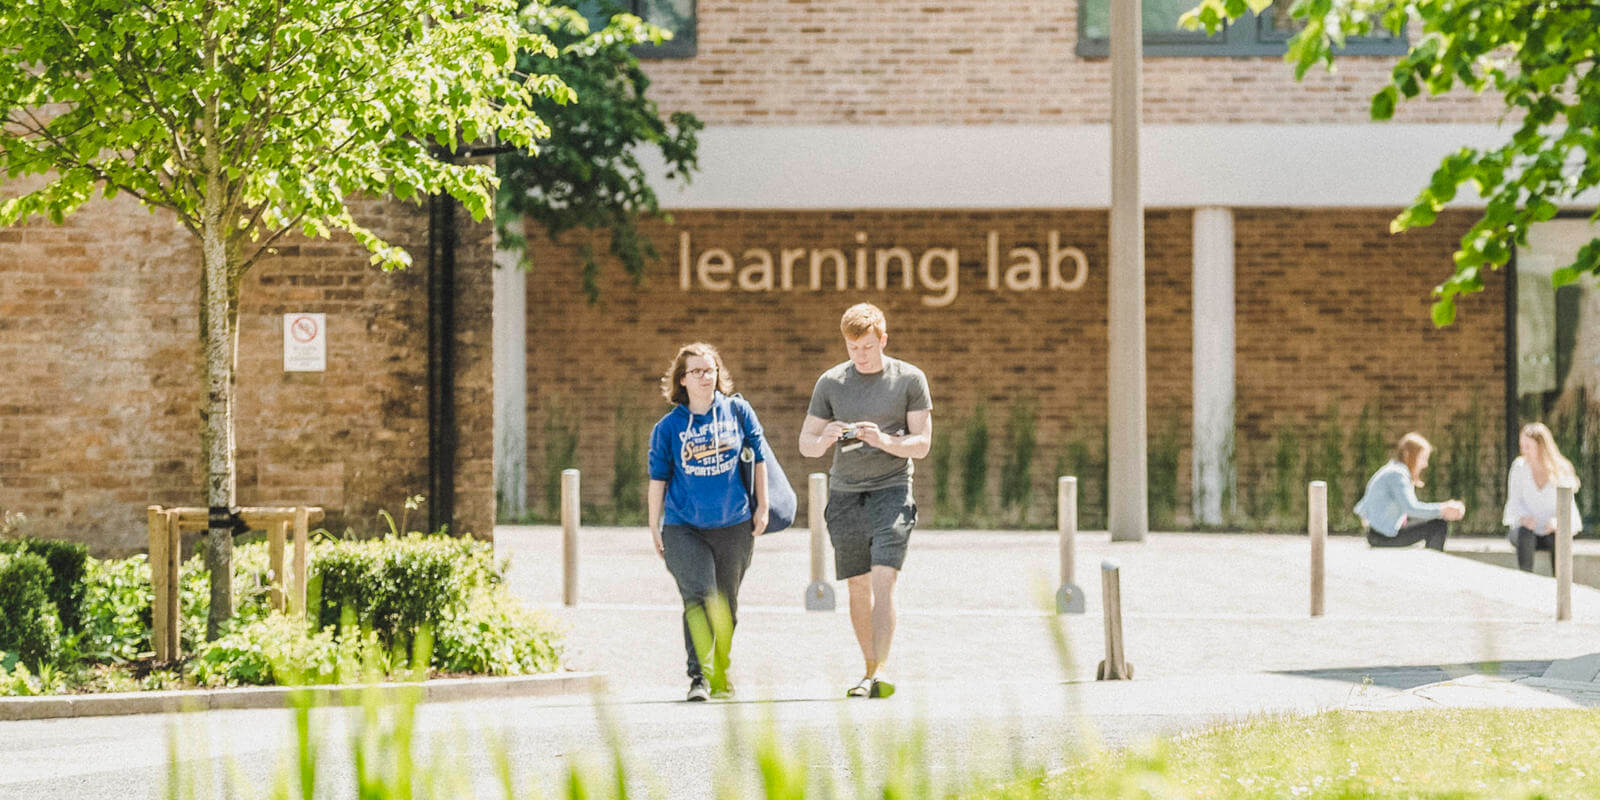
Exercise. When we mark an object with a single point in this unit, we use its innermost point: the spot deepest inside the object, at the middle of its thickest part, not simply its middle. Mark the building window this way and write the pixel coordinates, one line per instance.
(677, 16)
(1553, 352)
(1266, 34)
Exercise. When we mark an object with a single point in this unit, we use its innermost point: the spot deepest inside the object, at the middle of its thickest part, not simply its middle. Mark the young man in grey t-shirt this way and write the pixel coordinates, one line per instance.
(879, 413)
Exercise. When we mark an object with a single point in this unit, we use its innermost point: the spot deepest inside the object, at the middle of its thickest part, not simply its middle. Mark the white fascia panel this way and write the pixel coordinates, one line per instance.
(1064, 166)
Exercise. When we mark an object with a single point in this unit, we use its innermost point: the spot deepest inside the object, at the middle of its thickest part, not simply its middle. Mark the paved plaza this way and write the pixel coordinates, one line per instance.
(1217, 627)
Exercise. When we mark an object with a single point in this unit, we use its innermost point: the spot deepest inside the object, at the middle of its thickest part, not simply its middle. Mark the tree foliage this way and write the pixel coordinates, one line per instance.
(299, 104)
(1539, 56)
(588, 173)
(248, 119)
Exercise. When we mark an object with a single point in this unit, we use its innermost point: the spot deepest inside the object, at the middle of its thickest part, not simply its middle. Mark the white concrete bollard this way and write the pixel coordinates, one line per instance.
(570, 512)
(1563, 551)
(819, 593)
(1317, 529)
(1069, 597)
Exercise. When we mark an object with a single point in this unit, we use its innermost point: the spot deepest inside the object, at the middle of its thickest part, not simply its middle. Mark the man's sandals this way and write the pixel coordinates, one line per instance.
(871, 687)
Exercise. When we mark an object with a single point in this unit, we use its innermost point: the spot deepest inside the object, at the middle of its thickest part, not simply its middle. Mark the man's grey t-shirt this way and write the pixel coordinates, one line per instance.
(885, 398)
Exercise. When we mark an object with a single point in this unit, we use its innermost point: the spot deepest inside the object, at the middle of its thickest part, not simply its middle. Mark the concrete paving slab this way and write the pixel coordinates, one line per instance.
(1217, 626)
(1583, 669)
(973, 603)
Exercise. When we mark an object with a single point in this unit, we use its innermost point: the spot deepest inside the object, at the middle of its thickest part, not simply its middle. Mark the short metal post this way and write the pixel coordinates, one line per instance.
(819, 593)
(1114, 667)
(1317, 528)
(1069, 597)
(570, 498)
(1563, 553)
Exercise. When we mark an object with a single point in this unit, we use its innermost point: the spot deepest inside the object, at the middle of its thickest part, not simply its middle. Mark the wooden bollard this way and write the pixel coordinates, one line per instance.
(1069, 597)
(277, 536)
(570, 498)
(1115, 667)
(819, 593)
(1563, 551)
(302, 563)
(1317, 529)
(163, 619)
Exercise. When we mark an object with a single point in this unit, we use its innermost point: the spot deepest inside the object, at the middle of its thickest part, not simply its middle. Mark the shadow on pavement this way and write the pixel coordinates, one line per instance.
(1403, 677)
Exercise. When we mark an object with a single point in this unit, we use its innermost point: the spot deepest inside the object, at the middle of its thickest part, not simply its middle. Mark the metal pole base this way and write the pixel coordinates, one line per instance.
(819, 597)
(1069, 599)
(1124, 674)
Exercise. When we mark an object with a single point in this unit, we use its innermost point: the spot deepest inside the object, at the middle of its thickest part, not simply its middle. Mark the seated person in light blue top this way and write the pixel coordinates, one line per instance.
(1390, 510)
(1530, 514)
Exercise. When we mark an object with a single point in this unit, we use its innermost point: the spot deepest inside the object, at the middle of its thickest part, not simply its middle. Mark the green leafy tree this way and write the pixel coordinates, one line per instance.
(250, 119)
(588, 173)
(1539, 56)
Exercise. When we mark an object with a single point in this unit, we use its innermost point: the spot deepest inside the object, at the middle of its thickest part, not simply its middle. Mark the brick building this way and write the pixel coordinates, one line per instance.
(963, 146)
(950, 162)
(99, 406)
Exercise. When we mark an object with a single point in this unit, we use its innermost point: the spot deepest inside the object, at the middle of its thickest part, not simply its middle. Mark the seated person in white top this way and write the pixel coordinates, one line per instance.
(1389, 508)
(1531, 494)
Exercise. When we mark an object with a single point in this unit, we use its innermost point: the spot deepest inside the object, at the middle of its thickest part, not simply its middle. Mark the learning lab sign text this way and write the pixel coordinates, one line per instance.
(934, 271)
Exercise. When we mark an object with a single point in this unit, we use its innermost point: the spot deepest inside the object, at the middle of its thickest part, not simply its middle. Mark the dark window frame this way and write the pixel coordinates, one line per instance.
(1249, 36)
(683, 44)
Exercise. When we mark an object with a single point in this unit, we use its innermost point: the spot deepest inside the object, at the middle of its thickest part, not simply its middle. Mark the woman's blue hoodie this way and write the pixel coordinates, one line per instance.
(697, 455)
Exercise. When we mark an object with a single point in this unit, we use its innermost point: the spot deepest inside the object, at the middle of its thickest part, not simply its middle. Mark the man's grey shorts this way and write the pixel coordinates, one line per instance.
(869, 529)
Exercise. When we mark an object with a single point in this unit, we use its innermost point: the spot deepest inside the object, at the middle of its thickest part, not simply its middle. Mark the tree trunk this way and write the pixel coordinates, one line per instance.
(219, 336)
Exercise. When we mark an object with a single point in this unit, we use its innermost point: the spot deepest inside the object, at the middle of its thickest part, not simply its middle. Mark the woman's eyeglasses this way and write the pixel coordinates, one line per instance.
(700, 372)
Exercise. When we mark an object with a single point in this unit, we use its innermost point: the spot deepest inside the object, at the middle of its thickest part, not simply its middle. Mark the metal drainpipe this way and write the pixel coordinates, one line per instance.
(1513, 400)
(441, 362)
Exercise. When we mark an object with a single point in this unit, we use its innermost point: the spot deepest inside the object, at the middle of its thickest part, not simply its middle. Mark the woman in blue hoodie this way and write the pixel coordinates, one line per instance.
(701, 516)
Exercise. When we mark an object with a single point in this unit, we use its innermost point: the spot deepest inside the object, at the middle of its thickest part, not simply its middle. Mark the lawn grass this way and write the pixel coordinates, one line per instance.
(1448, 753)
(1339, 755)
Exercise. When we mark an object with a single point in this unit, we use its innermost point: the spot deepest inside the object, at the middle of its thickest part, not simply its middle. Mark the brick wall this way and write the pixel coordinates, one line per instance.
(1331, 309)
(911, 62)
(1333, 320)
(99, 403)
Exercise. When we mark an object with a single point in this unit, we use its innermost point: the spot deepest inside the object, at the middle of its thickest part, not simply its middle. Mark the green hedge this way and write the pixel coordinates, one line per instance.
(396, 586)
(371, 601)
(68, 561)
(30, 625)
(395, 589)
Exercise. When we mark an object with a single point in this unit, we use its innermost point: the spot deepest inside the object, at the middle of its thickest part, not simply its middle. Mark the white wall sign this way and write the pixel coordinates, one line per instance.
(305, 343)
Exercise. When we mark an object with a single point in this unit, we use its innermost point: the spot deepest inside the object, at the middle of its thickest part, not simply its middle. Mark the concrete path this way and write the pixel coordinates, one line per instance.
(1216, 625)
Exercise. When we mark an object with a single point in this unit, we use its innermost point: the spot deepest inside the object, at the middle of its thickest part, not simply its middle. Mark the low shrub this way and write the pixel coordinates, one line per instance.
(116, 610)
(16, 680)
(279, 650)
(67, 562)
(30, 626)
(372, 602)
(369, 604)
(251, 598)
(398, 585)
(496, 635)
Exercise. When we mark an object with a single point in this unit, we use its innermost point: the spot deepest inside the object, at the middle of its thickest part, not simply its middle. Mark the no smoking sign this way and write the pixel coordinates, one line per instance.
(305, 343)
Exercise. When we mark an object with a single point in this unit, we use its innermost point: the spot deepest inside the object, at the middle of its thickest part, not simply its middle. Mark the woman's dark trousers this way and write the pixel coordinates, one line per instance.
(708, 564)
(1433, 530)
(1527, 542)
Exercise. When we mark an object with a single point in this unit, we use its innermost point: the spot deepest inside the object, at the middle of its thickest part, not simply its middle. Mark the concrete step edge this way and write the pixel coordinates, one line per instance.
(439, 690)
